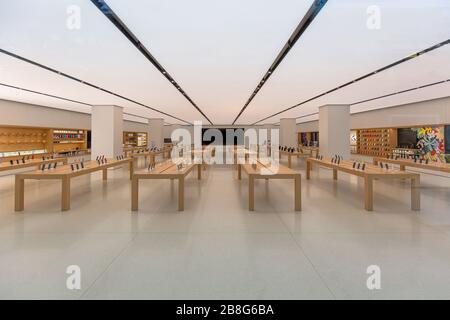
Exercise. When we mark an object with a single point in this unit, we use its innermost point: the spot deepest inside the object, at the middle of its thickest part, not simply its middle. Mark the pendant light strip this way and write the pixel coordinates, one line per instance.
(302, 26)
(87, 83)
(62, 98)
(396, 63)
(112, 16)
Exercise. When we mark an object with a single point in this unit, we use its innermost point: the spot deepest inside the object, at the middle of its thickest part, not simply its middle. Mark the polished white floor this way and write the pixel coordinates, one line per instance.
(216, 249)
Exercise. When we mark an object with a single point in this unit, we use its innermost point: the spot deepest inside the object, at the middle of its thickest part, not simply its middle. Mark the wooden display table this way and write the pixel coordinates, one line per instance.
(127, 151)
(293, 154)
(313, 151)
(258, 173)
(65, 174)
(166, 170)
(152, 154)
(6, 166)
(403, 163)
(244, 152)
(370, 173)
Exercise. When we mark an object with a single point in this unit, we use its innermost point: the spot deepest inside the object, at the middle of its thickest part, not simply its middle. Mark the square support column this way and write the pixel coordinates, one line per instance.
(107, 131)
(170, 129)
(156, 132)
(334, 130)
(288, 132)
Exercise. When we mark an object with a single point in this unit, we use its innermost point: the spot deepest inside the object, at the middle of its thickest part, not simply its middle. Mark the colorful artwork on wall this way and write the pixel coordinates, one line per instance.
(431, 143)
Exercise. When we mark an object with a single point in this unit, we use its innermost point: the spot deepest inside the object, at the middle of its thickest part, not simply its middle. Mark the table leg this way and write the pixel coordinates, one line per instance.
(308, 169)
(251, 193)
(368, 193)
(289, 161)
(298, 192)
(131, 167)
(105, 174)
(181, 194)
(239, 171)
(19, 194)
(199, 171)
(335, 174)
(134, 194)
(65, 194)
(415, 193)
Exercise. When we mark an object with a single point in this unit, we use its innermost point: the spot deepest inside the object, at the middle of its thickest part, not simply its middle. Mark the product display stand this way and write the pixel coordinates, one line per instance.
(166, 170)
(65, 174)
(369, 173)
(22, 163)
(294, 153)
(259, 170)
(403, 163)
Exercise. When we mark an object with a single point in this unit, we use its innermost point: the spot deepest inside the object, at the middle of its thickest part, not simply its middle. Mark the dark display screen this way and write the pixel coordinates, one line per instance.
(407, 138)
(223, 136)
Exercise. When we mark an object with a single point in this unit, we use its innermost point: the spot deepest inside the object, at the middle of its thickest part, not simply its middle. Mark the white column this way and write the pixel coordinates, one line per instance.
(156, 132)
(107, 131)
(334, 130)
(171, 129)
(288, 132)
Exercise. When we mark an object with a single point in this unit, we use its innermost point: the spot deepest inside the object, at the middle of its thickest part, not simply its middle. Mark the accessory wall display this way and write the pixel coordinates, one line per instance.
(29, 141)
(376, 142)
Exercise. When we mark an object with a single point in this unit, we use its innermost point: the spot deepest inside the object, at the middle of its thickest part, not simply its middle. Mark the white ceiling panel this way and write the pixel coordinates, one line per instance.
(36, 99)
(96, 53)
(426, 69)
(24, 75)
(217, 51)
(339, 47)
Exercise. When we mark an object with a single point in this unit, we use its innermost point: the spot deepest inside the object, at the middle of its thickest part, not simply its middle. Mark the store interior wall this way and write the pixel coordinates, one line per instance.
(436, 111)
(24, 114)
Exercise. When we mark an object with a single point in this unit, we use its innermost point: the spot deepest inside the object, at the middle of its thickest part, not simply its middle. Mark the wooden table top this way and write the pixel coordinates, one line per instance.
(167, 170)
(309, 148)
(66, 170)
(148, 153)
(370, 169)
(295, 153)
(6, 165)
(432, 165)
(261, 168)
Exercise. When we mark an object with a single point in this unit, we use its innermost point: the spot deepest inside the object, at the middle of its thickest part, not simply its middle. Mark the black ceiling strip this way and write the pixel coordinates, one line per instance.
(86, 83)
(111, 15)
(302, 26)
(385, 96)
(62, 98)
(399, 92)
(410, 57)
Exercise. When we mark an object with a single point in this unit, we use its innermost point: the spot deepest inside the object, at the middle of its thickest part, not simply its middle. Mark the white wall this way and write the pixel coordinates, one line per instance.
(435, 111)
(22, 114)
